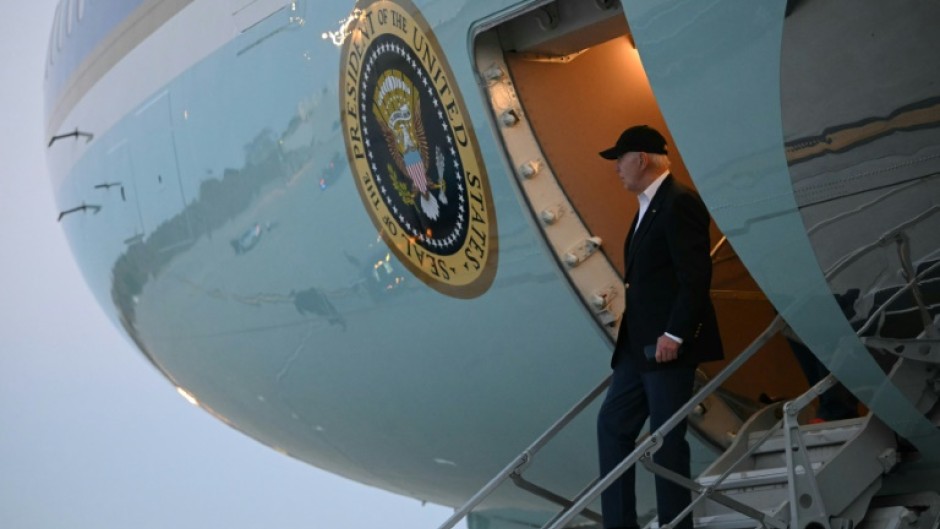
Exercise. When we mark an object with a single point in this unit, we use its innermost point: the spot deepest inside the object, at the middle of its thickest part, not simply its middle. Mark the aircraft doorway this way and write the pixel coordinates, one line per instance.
(564, 80)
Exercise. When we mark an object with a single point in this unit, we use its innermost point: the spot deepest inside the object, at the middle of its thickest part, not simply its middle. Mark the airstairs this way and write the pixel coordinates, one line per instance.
(776, 473)
(761, 477)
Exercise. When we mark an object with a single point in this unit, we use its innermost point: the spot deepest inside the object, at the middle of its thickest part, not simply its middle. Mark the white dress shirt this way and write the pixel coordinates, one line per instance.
(645, 198)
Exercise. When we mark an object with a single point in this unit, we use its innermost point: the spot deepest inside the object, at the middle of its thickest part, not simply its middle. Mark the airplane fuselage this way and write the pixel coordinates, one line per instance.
(317, 218)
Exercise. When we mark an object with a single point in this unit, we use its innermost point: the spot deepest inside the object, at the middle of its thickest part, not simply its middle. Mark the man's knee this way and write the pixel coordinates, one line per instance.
(607, 423)
(674, 454)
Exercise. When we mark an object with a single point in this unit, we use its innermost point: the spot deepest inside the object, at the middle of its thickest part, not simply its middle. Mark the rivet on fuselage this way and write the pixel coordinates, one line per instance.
(509, 118)
(494, 73)
(530, 168)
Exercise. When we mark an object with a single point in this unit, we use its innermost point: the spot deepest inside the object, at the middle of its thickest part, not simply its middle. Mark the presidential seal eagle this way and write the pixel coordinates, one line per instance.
(397, 108)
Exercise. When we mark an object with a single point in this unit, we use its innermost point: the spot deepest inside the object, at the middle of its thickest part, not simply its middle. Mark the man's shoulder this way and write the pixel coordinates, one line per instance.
(675, 189)
(673, 184)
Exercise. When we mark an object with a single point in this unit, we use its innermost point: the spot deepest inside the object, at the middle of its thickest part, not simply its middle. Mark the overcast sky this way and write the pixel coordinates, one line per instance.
(91, 436)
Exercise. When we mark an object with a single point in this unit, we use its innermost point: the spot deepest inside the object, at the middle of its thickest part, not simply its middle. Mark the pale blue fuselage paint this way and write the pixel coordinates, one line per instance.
(740, 167)
(406, 388)
(240, 259)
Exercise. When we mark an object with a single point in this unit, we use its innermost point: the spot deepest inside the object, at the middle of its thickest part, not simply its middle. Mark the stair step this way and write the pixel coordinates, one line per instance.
(725, 521)
(893, 517)
(752, 478)
(829, 433)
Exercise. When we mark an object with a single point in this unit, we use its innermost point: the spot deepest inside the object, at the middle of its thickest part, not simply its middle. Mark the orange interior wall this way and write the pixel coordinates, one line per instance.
(579, 108)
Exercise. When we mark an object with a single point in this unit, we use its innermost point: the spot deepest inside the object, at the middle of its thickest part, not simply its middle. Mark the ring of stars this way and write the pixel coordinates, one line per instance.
(457, 233)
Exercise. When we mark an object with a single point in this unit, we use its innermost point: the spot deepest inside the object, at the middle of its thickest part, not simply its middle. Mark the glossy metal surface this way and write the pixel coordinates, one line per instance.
(865, 167)
(715, 69)
(236, 253)
(76, 32)
(232, 246)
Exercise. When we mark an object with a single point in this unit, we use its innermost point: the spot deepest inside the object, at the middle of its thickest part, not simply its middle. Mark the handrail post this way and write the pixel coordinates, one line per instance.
(526, 456)
(791, 409)
(459, 514)
(591, 494)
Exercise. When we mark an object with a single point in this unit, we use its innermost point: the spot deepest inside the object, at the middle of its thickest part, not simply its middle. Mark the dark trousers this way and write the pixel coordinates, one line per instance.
(836, 404)
(631, 398)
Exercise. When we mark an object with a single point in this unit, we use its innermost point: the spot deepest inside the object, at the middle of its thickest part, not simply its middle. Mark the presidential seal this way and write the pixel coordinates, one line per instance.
(413, 151)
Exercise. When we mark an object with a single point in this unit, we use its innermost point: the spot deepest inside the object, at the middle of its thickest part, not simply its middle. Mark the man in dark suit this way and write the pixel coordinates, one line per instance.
(667, 329)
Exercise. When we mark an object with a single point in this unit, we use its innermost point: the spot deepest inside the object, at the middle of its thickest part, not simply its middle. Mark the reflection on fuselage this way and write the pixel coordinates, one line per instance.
(864, 168)
(238, 257)
(243, 266)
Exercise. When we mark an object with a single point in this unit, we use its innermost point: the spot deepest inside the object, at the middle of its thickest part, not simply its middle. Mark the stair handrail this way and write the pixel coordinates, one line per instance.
(791, 410)
(645, 449)
(652, 443)
(518, 464)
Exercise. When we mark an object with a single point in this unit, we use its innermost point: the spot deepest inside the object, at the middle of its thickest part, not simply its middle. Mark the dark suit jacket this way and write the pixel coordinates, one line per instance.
(669, 271)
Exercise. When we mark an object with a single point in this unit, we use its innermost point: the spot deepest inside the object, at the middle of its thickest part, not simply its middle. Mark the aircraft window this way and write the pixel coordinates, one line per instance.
(69, 14)
(52, 34)
(60, 25)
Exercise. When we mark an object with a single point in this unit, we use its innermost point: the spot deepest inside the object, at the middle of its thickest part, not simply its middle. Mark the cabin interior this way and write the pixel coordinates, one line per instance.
(577, 81)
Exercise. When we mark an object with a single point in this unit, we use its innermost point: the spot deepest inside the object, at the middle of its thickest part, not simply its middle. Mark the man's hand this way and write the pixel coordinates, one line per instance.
(667, 349)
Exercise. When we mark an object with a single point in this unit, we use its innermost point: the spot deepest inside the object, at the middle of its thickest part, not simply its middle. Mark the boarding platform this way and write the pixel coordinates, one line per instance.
(775, 472)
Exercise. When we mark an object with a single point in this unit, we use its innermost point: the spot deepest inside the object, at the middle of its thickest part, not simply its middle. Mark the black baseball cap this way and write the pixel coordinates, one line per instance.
(641, 138)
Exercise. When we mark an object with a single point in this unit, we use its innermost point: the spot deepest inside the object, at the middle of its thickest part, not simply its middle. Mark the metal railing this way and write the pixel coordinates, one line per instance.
(791, 411)
(648, 446)
(643, 451)
(651, 444)
(515, 467)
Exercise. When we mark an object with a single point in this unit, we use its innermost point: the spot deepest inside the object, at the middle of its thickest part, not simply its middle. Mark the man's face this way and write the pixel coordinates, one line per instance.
(630, 170)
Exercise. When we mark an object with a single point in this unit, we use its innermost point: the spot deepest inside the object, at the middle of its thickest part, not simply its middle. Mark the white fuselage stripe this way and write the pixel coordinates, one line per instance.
(136, 69)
